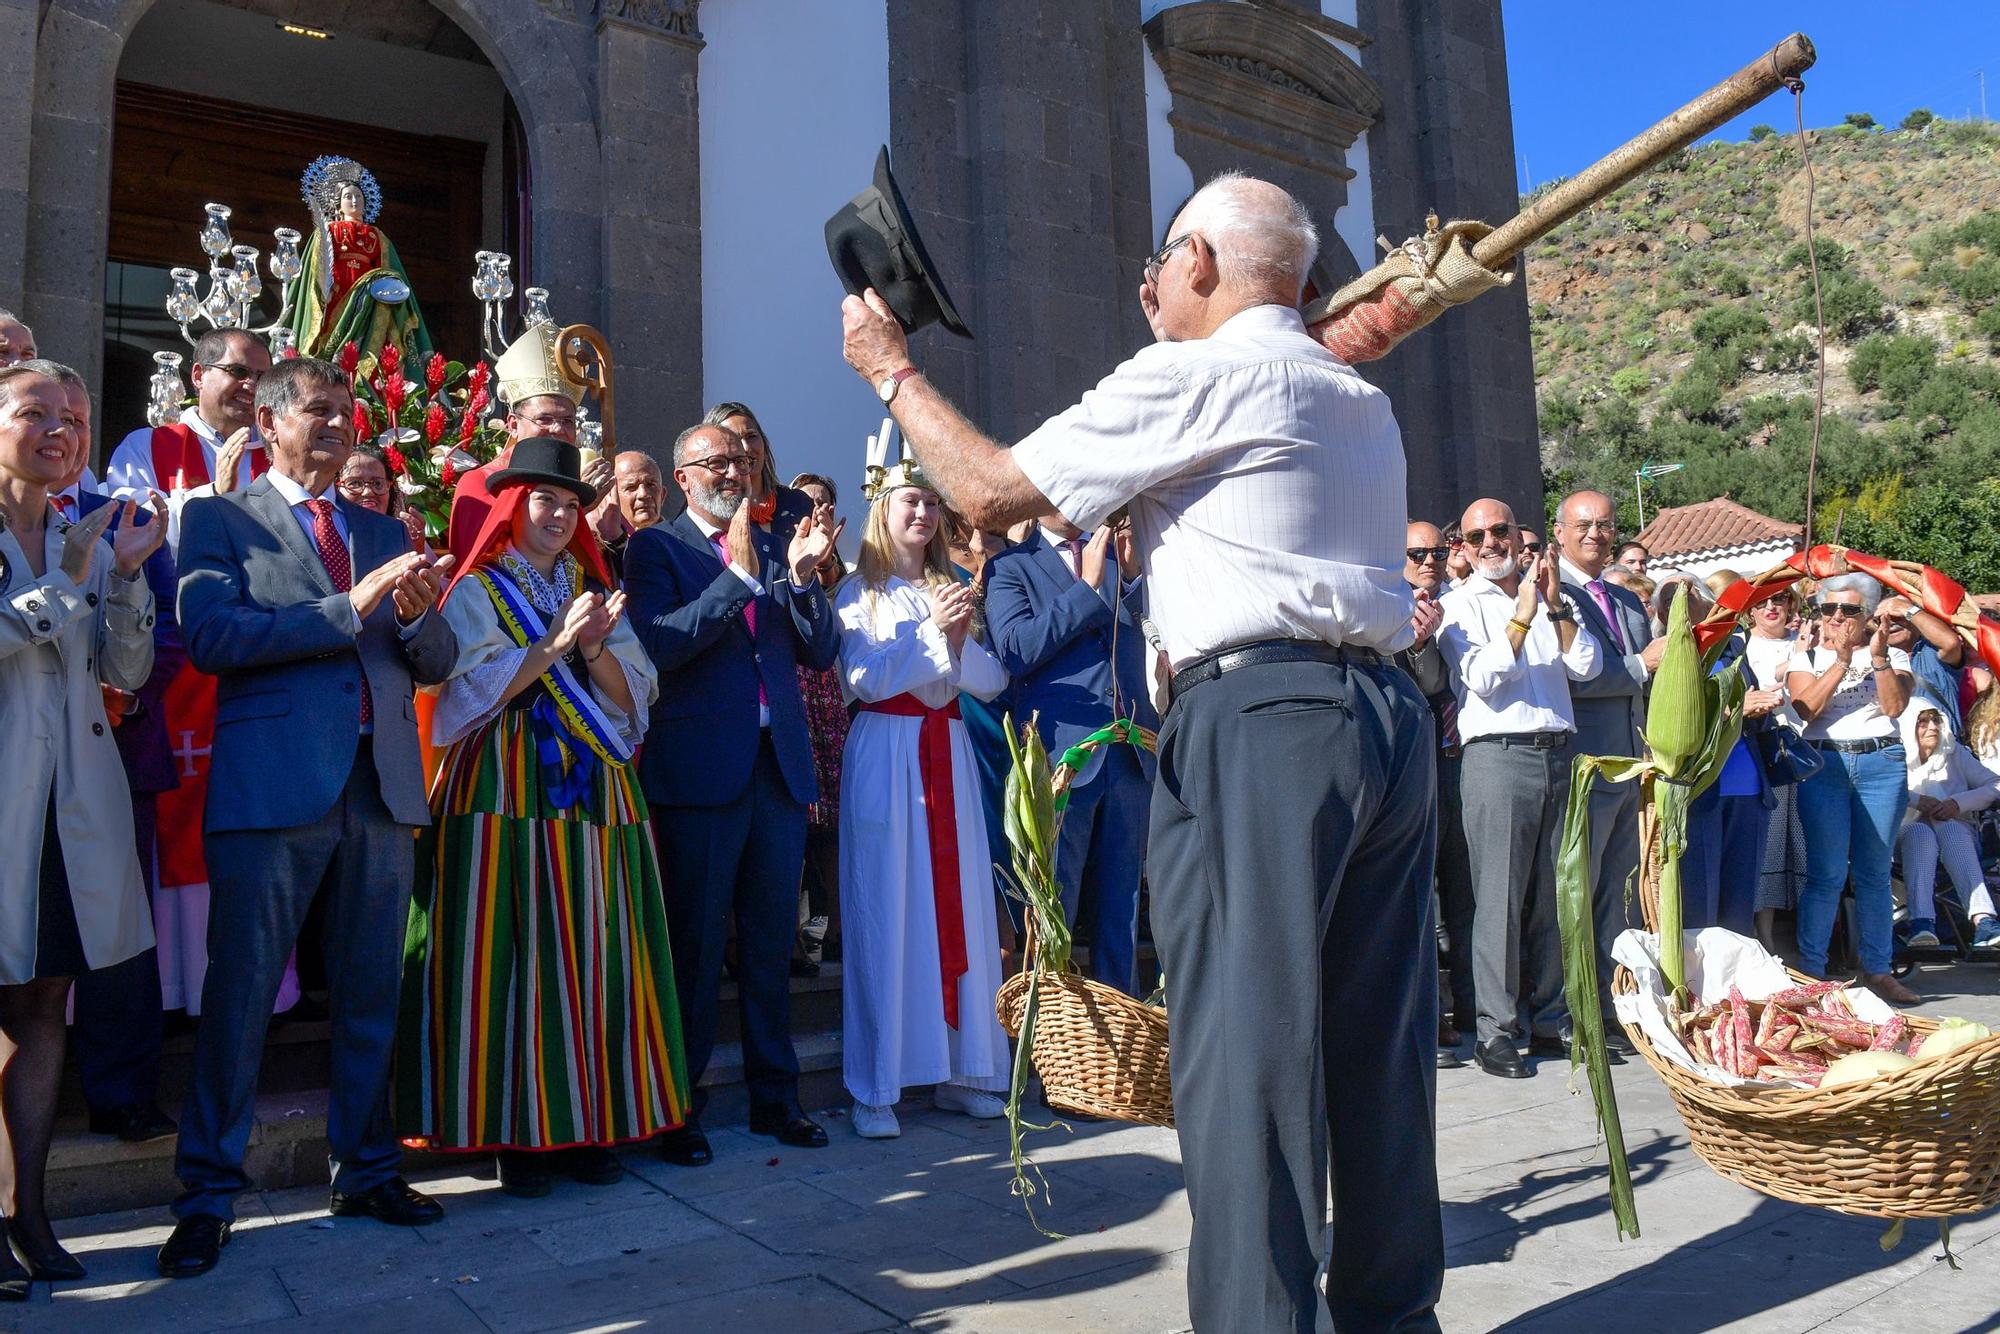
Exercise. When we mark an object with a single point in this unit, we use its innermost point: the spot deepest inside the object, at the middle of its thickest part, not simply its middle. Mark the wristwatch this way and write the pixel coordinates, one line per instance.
(1560, 611)
(886, 389)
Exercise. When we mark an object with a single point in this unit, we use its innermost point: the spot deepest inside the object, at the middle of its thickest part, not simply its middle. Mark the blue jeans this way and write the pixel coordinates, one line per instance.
(1724, 859)
(1850, 810)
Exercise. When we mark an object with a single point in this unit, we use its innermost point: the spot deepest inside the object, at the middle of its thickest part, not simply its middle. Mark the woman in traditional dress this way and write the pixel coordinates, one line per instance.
(75, 615)
(922, 952)
(538, 1007)
(352, 286)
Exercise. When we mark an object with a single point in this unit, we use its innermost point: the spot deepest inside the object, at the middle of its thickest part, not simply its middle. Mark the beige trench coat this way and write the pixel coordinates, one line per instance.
(57, 642)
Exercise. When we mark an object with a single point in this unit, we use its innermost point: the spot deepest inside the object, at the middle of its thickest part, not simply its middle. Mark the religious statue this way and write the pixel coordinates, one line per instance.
(353, 287)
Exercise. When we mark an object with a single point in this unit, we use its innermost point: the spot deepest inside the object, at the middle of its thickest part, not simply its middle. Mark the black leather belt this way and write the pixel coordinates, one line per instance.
(1207, 668)
(1872, 744)
(1537, 740)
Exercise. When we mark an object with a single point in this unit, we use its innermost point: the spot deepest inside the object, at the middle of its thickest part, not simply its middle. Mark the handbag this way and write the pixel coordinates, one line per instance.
(1786, 756)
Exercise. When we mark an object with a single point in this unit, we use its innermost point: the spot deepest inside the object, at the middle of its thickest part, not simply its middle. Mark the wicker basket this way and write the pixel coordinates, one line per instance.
(1920, 1143)
(1099, 1052)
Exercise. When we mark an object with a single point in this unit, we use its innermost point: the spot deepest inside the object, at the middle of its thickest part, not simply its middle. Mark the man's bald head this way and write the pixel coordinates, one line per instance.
(1587, 530)
(1491, 538)
(1425, 569)
(1264, 240)
(639, 486)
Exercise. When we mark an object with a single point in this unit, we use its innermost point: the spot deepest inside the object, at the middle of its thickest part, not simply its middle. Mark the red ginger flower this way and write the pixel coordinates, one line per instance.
(364, 425)
(469, 426)
(348, 357)
(397, 463)
(449, 477)
(391, 360)
(481, 372)
(477, 403)
(392, 396)
(434, 424)
(434, 372)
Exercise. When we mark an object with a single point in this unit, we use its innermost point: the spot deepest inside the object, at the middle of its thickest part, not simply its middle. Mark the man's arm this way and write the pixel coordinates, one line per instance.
(223, 630)
(977, 476)
(1025, 637)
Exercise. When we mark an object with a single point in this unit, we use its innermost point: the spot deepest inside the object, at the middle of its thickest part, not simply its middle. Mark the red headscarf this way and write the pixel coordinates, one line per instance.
(497, 528)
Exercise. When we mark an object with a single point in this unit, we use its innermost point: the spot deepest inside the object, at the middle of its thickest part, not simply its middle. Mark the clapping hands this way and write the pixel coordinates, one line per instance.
(584, 622)
(812, 545)
(952, 607)
(130, 545)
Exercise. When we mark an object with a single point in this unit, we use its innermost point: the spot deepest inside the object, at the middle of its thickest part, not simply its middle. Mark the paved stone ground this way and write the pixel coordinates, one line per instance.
(919, 1233)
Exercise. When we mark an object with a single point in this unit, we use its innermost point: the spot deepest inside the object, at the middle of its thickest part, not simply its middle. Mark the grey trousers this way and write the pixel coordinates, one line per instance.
(1293, 830)
(1614, 864)
(1512, 799)
(262, 881)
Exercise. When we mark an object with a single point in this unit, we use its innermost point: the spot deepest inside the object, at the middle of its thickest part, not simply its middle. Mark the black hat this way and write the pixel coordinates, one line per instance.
(544, 458)
(873, 243)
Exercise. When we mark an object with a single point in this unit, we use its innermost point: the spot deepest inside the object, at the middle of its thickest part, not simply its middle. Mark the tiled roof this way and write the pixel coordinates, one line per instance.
(1713, 525)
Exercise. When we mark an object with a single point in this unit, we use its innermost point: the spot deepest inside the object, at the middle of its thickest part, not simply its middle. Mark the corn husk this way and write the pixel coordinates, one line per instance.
(1693, 721)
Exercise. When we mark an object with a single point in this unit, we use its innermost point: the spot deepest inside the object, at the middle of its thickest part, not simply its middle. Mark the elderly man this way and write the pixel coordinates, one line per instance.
(1937, 655)
(1426, 554)
(1610, 709)
(17, 340)
(727, 610)
(215, 448)
(1293, 821)
(1514, 647)
(630, 503)
(314, 615)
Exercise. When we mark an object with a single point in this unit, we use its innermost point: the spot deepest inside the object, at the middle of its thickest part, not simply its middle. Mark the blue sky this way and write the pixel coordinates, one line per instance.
(1585, 77)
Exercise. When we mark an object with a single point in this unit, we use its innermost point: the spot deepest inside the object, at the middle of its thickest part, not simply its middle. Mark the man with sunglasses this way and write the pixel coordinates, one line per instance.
(1515, 648)
(1610, 710)
(1426, 554)
(1293, 817)
(214, 448)
(728, 610)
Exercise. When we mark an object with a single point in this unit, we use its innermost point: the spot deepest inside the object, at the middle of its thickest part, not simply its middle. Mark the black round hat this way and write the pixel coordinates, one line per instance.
(873, 242)
(544, 458)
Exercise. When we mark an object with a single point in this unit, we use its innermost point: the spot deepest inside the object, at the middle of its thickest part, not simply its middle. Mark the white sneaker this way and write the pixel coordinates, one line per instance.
(976, 1103)
(875, 1122)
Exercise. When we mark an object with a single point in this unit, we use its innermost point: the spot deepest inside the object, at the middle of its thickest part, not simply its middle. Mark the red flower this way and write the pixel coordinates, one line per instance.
(434, 424)
(397, 463)
(392, 396)
(476, 381)
(469, 426)
(449, 477)
(391, 359)
(348, 357)
(364, 425)
(477, 403)
(434, 372)
(290, 353)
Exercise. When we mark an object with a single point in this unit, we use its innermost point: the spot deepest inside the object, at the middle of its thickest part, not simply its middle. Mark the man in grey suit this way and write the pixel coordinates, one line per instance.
(1610, 708)
(316, 619)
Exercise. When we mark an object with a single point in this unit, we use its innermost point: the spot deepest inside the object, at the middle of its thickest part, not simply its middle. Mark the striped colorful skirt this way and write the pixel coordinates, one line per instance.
(538, 990)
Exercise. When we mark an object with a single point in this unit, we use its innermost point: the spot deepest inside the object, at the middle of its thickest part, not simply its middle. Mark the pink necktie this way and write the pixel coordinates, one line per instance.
(1075, 548)
(749, 612)
(1603, 598)
(333, 555)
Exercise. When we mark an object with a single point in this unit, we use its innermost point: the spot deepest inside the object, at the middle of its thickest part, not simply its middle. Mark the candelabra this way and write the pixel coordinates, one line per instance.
(493, 285)
(233, 284)
(163, 392)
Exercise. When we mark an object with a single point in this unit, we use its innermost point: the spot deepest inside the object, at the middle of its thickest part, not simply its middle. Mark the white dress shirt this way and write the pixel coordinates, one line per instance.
(1500, 691)
(1635, 663)
(296, 496)
(129, 475)
(1265, 480)
(750, 581)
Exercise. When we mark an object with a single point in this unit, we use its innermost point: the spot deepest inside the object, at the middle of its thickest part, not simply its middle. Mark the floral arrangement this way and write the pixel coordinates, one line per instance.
(432, 430)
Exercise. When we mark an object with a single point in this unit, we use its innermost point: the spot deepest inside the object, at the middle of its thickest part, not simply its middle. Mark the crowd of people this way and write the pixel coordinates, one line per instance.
(664, 749)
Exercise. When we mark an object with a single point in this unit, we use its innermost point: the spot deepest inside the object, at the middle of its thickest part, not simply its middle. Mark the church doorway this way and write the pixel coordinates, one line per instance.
(227, 101)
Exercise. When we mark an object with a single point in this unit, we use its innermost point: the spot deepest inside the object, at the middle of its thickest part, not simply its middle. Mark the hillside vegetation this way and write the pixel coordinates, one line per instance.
(1673, 323)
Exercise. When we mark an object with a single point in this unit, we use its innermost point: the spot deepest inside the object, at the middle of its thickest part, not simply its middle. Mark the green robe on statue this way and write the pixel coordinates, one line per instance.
(332, 303)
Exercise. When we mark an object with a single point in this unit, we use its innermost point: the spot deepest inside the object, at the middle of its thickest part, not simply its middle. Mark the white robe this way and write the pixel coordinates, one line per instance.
(895, 1031)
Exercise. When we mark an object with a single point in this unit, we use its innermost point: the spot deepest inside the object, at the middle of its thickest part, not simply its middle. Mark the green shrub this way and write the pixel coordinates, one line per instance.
(1697, 394)
(1832, 255)
(1730, 280)
(1916, 120)
(1759, 133)
(1853, 305)
(1896, 364)
(1718, 326)
(1860, 120)
(1632, 382)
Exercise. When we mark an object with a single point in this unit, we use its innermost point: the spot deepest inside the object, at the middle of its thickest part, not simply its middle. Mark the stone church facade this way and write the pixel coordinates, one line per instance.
(664, 168)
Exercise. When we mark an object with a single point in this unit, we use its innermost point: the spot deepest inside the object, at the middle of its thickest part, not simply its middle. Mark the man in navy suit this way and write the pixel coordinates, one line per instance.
(315, 618)
(1059, 607)
(727, 612)
(1610, 708)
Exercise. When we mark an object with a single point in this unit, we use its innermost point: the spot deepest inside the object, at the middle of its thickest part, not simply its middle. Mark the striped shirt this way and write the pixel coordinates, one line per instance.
(1265, 480)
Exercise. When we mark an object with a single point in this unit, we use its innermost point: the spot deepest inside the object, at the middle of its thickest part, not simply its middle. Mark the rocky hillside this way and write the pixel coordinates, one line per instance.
(1674, 323)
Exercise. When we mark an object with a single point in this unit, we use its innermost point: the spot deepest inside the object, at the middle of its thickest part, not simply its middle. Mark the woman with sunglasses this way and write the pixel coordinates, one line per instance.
(1850, 688)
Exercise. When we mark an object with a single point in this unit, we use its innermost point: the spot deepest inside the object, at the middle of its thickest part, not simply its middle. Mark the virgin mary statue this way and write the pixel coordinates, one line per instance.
(353, 285)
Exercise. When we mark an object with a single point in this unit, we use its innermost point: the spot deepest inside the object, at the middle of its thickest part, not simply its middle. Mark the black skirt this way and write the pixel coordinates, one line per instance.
(58, 942)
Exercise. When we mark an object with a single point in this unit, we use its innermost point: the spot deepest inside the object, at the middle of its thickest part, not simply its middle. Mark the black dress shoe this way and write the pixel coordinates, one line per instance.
(1498, 1057)
(591, 1164)
(138, 1123)
(394, 1201)
(44, 1265)
(686, 1146)
(525, 1176)
(1449, 1059)
(1548, 1048)
(790, 1124)
(195, 1246)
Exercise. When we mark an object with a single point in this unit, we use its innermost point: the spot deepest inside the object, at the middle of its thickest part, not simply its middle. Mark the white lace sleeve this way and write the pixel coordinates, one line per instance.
(472, 698)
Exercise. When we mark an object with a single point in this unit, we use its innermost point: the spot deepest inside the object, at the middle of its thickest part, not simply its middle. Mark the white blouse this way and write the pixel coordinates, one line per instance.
(1854, 713)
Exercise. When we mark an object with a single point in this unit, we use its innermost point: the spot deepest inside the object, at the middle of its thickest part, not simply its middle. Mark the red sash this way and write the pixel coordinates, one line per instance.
(941, 817)
(179, 462)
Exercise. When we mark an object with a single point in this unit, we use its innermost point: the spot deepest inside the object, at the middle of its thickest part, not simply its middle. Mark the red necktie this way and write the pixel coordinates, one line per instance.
(67, 504)
(333, 555)
(1075, 548)
(749, 612)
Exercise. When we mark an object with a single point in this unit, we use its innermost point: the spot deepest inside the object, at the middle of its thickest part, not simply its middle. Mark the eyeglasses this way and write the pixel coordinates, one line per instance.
(1474, 537)
(1418, 555)
(235, 370)
(551, 423)
(367, 486)
(1850, 610)
(1158, 259)
(724, 464)
(1594, 525)
(1531, 548)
